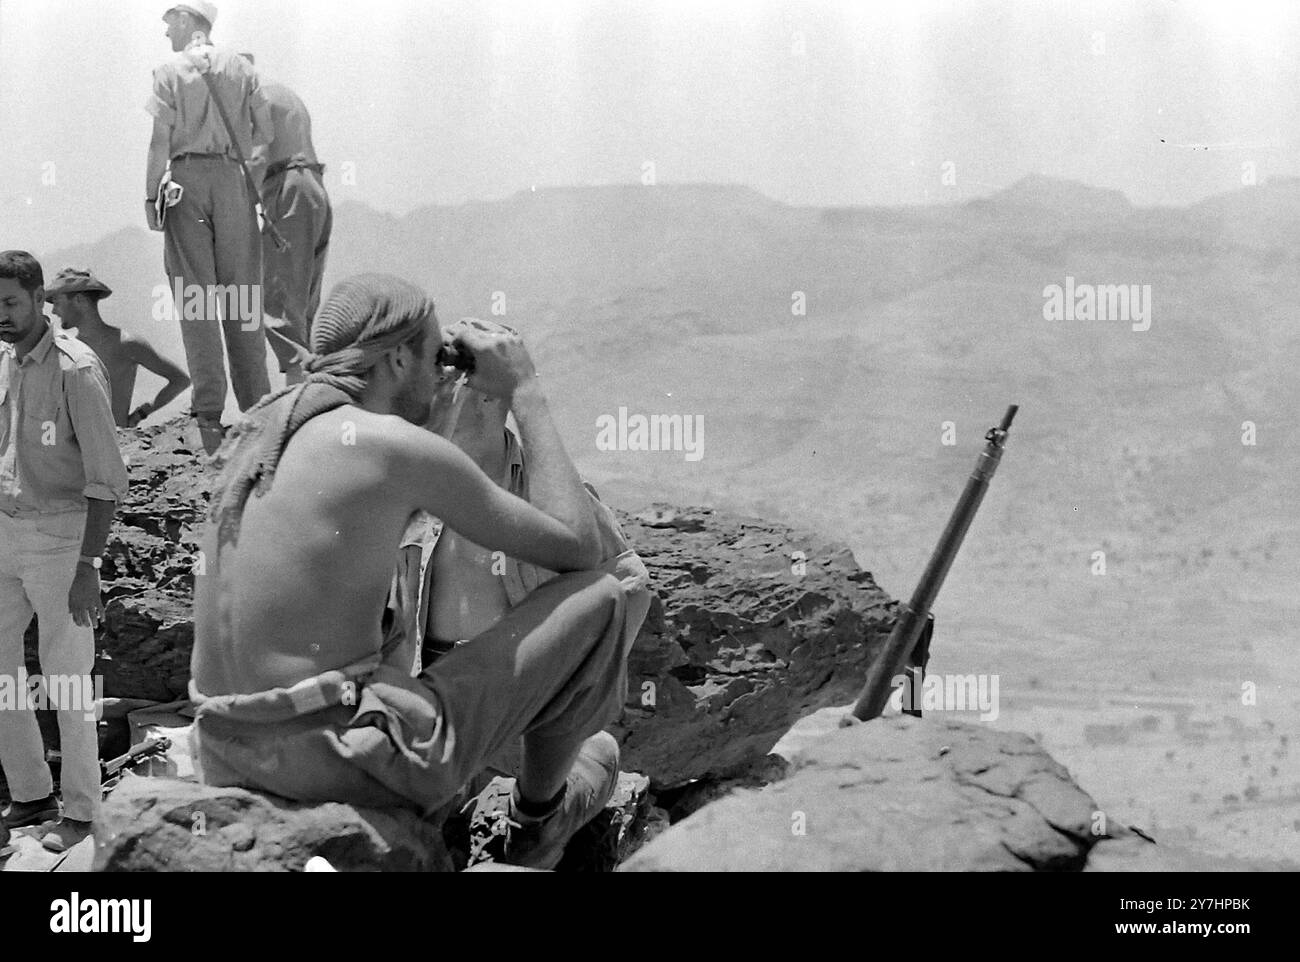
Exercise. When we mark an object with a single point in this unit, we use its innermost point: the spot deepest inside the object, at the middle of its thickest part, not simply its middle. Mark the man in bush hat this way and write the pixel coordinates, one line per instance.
(74, 295)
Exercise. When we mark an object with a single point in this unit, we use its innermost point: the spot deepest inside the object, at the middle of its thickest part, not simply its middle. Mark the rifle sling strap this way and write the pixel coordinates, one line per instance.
(254, 199)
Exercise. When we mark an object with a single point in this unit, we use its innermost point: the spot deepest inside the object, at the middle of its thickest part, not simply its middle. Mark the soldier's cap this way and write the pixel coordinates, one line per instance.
(75, 280)
(200, 8)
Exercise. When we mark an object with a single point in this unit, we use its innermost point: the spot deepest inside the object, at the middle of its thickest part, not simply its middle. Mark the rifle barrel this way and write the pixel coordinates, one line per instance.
(912, 616)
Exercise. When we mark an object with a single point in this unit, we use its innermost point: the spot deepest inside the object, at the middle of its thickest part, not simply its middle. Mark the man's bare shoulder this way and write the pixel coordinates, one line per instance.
(137, 348)
(371, 435)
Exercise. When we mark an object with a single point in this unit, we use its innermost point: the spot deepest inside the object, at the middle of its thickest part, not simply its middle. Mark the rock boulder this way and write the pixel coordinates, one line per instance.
(169, 825)
(755, 625)
(899, 794)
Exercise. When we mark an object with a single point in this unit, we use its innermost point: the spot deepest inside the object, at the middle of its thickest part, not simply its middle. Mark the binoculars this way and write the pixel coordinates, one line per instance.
(459, 359)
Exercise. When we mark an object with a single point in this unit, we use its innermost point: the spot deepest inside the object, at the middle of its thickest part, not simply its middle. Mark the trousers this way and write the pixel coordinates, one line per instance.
(296, 200)
(212, 251)
(38, 559)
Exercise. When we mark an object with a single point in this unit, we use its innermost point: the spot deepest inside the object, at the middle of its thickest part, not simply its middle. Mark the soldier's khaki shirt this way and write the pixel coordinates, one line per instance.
(181, 101)
(58, 440)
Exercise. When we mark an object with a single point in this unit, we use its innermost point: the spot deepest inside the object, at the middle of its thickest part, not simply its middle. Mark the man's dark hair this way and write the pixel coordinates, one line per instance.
(22, 267)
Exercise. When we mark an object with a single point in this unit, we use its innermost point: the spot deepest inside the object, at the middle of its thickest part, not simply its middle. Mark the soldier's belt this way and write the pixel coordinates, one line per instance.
(283, 166)
(194, 155)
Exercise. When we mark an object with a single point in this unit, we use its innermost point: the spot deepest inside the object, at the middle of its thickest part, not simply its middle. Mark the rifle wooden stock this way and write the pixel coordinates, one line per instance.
(912, 617)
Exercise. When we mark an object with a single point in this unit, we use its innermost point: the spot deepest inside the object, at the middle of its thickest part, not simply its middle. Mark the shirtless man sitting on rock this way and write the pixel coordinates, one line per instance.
(293, 693)
(74, 296)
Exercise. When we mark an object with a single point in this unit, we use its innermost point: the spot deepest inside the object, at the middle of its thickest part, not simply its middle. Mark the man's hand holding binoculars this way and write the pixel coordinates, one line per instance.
(492, 354)
(483, 355)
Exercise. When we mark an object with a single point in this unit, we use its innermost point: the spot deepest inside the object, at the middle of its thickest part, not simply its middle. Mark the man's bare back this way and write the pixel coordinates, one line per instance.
(309, 574)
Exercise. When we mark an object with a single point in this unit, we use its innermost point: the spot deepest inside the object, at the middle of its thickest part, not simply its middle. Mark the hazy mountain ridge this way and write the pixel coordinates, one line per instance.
(560, 247)
(635, 295)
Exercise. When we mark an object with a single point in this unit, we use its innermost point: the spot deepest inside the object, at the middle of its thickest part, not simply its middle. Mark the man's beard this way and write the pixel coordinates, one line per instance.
(12, 334)
(408, 405)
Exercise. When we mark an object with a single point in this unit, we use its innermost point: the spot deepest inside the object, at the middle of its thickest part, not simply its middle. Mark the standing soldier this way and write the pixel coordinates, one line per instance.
(61, 476)
(294, 197)
(212, 239)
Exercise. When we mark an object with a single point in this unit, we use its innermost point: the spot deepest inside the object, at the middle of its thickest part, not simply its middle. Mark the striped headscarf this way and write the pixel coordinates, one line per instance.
(364, 317)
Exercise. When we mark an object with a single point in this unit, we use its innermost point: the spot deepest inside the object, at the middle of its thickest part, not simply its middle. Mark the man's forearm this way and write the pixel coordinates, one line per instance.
(170, 392)
(553, 482)
(99, 519)
(158, 147)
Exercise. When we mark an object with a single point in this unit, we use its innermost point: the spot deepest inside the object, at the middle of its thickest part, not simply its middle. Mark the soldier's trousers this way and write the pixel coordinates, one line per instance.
(38, 559)
(298, 204)
(213, 256)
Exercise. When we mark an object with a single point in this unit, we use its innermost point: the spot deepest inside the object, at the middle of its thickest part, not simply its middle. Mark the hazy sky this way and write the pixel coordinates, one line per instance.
(810, 103)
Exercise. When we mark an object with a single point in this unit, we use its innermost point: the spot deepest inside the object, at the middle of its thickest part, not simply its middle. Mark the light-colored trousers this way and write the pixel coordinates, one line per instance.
(211, 240)
(38, 559)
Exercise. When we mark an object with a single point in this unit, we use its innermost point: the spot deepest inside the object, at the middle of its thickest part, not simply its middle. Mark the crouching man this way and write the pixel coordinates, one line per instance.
(293, 695)
(447, 589)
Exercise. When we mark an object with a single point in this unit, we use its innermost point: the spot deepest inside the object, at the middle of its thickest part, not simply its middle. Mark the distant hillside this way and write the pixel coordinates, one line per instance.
(685, 298)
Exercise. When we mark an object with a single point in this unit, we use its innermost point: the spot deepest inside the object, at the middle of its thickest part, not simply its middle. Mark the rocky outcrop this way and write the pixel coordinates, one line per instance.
(168, 825)
(905, 794)
(754, 624)
(151, 559)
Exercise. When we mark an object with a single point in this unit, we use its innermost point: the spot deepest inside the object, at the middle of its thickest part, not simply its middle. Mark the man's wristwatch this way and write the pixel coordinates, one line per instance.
(95, 563)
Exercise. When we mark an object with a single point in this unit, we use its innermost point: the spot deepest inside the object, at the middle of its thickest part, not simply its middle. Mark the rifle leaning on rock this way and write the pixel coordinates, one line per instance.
(902, 648)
